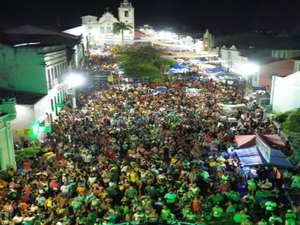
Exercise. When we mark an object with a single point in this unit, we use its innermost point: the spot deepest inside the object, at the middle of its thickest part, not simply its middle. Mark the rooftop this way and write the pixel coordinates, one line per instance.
(36, 36)
(254, 40)
(23, 98)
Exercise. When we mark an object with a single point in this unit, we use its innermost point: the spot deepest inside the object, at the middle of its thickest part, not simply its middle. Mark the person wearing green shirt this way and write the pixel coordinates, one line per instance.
(262, 222)
(185, 211)
(191, 217)
(165, 213)
(290, 217)
(171, 198)
(216, 199)
(237, 218)
(230, 210)
(110, 79)
(217, 212)
(270, 206)
(274, 219)
(92, 217)
(131, 192)
(233, 196)
(251, 185)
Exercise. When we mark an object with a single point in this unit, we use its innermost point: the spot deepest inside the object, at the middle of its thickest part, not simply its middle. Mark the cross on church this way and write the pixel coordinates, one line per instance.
(107, 9)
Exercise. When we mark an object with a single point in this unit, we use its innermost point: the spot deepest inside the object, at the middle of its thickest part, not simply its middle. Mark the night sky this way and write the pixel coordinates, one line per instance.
(218, 15)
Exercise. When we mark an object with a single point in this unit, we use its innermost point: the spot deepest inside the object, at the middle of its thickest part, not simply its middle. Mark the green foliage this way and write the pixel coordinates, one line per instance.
(292, 123)
(119, 27)
(141, 69)
(281, 117)
(26, 153)
(292, 129)
(118, 49)
(144, 61)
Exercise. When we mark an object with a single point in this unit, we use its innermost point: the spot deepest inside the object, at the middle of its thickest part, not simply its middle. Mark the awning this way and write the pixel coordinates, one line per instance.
(272, 140)
(252, 157)
(161, 89)
(244, 140)
(215, 70)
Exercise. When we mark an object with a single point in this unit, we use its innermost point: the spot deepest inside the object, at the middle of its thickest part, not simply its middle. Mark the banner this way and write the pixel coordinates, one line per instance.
(264, 149)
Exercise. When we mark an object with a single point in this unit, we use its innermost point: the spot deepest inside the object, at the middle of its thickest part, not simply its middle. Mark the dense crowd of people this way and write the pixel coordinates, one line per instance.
(129, 153)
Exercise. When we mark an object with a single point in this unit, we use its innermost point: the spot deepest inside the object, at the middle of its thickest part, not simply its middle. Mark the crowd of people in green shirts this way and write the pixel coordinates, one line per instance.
(137, 155)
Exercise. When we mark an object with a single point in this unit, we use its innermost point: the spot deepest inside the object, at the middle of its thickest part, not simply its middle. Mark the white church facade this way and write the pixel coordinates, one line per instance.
(99, 31)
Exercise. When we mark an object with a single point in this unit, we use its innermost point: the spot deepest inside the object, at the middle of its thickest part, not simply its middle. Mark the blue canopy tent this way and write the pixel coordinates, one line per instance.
(252, 156)
(120, 70)
(180, 66)
(193, 78)
(161, 89)
(215, 70)
(176, 69)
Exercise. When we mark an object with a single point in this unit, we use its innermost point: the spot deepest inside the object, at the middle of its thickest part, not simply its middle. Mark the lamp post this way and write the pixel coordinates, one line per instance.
(74, 80)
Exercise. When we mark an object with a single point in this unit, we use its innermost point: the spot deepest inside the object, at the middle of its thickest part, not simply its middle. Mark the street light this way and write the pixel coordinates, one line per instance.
(249, 70)
(74, 80)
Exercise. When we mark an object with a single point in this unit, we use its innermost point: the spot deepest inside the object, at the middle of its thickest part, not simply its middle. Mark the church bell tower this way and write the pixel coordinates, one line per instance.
(126, 13)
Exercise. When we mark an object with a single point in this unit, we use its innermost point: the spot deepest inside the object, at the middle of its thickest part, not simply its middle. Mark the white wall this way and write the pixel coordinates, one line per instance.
(25, 116)
(285, 93)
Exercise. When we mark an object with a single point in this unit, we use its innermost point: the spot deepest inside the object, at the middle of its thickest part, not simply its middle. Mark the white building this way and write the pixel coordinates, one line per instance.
(97, 32)
(285, 93)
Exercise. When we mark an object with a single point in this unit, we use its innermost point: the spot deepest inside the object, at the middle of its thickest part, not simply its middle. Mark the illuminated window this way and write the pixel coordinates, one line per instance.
(102, 29)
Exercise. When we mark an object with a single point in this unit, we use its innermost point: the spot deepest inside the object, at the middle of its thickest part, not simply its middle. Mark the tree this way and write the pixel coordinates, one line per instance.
(292, 122)
(119, 27)
(144, 62)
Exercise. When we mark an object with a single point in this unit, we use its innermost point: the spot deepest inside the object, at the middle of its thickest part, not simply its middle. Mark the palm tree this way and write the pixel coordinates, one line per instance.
(120, 27)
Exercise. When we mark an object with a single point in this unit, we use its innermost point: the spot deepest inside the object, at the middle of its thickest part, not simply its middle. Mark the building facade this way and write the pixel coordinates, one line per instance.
(281, 68)
(285, 93)
(208, 41)
(99, 31)
(7, 153)
(33, 69)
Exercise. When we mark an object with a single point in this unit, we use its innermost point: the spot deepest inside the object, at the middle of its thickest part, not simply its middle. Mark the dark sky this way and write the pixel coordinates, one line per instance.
(222, 15)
